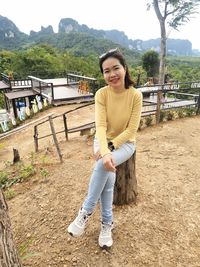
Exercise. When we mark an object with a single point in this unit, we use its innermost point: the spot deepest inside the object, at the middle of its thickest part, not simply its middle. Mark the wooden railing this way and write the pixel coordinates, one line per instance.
(5, 78)
(43, 88)
(177, 97)
(85, 83)
(151, 106)
(20, 84)
(16, 83)
(66, 130)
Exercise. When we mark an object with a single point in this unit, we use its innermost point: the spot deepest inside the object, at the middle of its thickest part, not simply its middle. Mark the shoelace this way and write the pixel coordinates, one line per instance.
(82, 219)
(106, 229)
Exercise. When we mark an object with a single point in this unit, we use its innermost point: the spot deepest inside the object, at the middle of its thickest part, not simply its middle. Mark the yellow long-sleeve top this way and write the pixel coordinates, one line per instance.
(117, 116)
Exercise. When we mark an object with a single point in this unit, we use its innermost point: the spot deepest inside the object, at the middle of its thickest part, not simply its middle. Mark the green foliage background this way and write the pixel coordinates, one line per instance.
(46, 61)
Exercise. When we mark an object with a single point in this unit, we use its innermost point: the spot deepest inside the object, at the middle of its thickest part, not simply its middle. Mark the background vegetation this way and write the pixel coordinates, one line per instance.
(46, 61)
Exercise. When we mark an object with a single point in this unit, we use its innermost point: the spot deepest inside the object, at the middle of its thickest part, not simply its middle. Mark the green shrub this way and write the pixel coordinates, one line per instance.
(180, 113)
(21, 173)
(148, 121)
(170, 115)
(189, 112)
(44, 173)
(3, 178)
(26, 171)
(10, 193)
(162, 115)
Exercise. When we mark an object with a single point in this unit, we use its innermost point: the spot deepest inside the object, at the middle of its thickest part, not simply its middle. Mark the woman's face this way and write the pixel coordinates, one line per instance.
(114, 73)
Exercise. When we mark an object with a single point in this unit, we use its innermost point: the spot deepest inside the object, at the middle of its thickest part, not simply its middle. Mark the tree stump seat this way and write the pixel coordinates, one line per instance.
(125, 190)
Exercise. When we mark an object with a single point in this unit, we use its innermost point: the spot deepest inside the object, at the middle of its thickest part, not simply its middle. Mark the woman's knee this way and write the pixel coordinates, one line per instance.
(130, 148)
(123, 153)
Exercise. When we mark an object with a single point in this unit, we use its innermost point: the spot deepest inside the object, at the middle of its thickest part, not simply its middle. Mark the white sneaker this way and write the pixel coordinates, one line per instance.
(105, 237)
(77, 227)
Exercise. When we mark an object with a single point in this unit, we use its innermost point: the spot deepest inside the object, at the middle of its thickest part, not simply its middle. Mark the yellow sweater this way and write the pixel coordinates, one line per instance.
(117, 116)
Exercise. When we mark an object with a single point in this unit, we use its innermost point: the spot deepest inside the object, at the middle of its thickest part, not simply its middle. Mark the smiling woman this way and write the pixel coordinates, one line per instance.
(117, 115)
(112, 65)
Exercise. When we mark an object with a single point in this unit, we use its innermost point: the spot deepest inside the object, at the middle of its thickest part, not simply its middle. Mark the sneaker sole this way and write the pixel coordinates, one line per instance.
(70, 233)
(105, 247)
(74, 235)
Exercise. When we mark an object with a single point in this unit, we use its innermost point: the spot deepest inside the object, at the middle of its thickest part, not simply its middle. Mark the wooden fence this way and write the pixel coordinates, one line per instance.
(159, 99)
(85, 84)
(66, 130)
(43, 88)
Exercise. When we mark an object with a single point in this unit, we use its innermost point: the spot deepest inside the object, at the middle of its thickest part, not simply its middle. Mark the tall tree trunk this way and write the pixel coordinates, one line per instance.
(162, 52)
(8, 252)
(163, 39)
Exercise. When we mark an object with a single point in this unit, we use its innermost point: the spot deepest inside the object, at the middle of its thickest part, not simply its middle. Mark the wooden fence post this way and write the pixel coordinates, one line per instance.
(198, 105)
(159, 96)
(8, 252)
(65, 126)
(125, 190)
(16, 156)
(55, 138)
(36, 138)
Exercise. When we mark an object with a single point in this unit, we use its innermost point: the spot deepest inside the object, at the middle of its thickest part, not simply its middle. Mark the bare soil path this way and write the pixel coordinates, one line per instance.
(162, 229)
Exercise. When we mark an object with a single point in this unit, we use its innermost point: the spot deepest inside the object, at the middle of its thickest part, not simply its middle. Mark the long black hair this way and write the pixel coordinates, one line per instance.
(115, 53)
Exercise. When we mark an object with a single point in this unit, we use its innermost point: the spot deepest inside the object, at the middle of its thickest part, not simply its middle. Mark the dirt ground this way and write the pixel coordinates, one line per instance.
(162, 229)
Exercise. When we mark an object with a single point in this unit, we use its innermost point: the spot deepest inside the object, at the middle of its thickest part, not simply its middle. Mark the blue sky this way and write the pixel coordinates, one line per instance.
(128, 16)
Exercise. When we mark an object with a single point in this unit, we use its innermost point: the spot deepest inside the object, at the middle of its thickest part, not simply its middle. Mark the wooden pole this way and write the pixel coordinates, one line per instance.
(65, 126)
(16, 156)
(36, 138)
(159, 96)
(198, 105)
(8, 252)
(125, 190)
(55, 138)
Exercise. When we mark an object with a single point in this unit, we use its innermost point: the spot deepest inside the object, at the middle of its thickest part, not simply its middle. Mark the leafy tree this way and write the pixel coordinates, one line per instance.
(6, 60)
(41, 61)
(46, 61)
(175, 13)
(2, 102)
(184, 69)
(150, 63)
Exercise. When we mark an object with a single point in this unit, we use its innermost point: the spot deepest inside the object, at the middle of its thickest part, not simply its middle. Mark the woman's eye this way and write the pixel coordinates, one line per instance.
(106, 72)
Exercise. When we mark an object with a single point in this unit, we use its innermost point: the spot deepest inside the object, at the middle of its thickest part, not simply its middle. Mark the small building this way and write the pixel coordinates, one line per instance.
(23, 95)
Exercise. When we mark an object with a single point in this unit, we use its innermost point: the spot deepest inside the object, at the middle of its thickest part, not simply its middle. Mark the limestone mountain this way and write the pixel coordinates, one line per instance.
(68, 25)
(47, 30)
(174, 46)
(80, 39)
(10, 36)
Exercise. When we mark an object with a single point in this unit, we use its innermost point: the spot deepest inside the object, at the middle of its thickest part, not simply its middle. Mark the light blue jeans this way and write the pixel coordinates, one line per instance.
(101, 186)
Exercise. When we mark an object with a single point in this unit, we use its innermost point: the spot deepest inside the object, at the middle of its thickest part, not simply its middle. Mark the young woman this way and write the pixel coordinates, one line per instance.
(117, 117)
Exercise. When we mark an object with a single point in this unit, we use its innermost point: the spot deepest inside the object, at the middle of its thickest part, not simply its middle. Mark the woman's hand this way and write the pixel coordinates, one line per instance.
(97, 155)
(108, 163)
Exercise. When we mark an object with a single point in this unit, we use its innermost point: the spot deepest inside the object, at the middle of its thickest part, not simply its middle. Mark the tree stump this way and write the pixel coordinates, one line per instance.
(8, 252)
(125, 190)
(16, 156)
